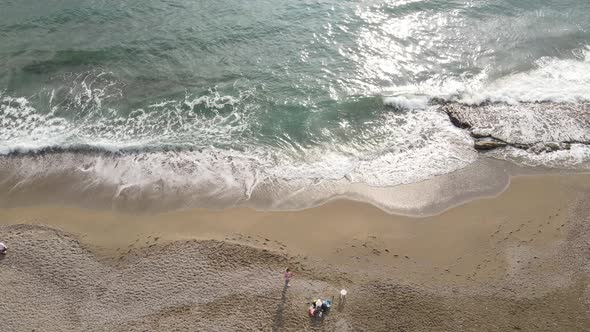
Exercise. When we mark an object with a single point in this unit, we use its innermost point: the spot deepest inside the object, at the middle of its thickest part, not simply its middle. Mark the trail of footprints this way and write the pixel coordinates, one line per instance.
(527, 233)
(532, 228)
(258, 241)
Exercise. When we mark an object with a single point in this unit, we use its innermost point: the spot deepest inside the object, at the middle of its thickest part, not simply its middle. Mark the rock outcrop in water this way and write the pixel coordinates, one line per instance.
(488, 143)
(535, 127)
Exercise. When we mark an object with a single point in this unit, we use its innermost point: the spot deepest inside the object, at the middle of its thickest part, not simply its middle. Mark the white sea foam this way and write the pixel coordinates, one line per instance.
(546, 104)
(80, 119)
(398, 148)
(555, 80)
(407, 102)
(416, 145)
(551, 80)
(212, 132)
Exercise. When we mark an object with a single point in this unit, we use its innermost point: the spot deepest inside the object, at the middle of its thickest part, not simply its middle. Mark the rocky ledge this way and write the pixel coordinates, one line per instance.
(548, 127)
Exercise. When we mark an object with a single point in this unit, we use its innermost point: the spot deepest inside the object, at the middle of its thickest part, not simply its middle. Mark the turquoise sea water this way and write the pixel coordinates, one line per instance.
(232, 94)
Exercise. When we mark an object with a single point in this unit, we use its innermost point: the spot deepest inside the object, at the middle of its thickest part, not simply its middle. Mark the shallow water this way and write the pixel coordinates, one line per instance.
(231, 96)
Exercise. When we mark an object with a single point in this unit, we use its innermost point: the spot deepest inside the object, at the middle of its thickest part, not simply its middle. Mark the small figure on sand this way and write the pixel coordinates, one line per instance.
(342, 301)
(288, 275)
(3, 249)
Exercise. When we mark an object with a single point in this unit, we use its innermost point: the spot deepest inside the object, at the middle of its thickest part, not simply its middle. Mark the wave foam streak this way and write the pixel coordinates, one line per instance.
(553, 80)
(81, 114)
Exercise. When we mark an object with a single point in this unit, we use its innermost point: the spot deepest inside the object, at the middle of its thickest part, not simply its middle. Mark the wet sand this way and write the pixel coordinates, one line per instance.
(518, 261)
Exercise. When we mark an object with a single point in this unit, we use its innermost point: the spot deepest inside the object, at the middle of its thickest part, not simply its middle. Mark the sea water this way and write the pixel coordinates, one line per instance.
(225, 101)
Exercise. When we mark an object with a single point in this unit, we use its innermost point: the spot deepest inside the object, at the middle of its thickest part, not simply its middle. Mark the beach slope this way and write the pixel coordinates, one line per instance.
(518, 261)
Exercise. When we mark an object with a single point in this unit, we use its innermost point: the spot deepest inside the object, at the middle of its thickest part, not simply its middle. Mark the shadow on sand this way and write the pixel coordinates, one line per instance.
(341, 304)
(278, 318)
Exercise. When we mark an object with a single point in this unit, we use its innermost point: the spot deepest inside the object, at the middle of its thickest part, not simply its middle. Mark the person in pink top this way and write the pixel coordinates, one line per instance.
(288, 276)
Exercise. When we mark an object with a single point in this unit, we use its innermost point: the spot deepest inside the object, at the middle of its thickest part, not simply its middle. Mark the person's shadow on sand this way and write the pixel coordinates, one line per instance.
(278, 318)
(341, 304)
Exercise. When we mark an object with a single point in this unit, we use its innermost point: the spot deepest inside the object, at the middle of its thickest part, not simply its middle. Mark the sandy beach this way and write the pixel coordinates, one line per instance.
(518, 261)
(163, 163)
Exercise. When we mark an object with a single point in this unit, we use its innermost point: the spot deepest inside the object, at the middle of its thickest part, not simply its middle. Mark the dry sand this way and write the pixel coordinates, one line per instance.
(519, 261)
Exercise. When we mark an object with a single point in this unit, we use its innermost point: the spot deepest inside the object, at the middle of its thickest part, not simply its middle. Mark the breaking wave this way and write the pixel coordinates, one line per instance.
(551, 80)
(216, 142)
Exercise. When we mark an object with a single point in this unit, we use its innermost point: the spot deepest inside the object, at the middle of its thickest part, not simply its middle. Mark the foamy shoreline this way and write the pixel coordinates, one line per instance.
(66, 179)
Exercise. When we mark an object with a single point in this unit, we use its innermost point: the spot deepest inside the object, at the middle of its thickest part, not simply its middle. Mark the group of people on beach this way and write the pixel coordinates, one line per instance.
(318, 307)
